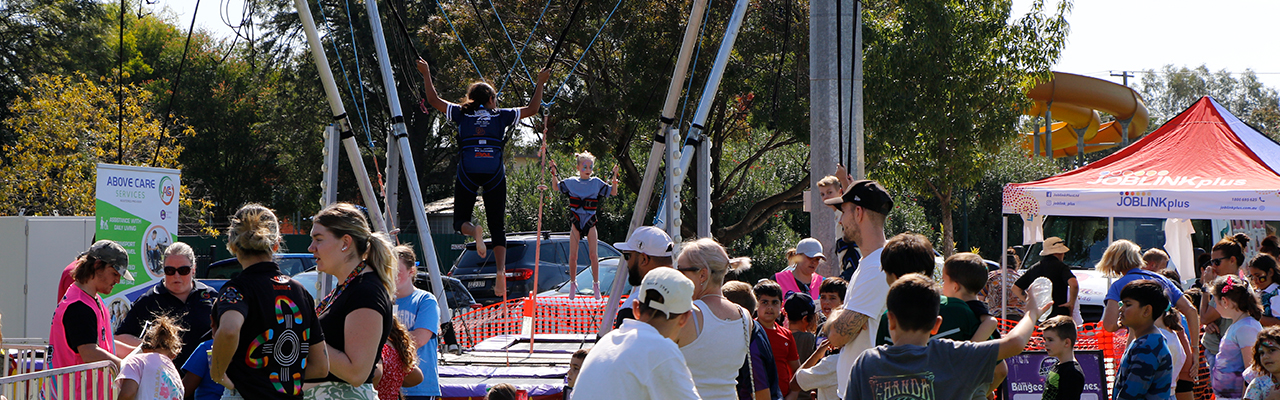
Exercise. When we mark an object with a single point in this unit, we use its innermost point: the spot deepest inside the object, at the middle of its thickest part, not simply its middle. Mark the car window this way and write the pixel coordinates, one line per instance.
(550, 253)
(602, 250)
(607, 251)
(291, 266)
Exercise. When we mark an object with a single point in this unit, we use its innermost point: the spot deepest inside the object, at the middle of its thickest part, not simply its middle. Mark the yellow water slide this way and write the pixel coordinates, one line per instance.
(1075, 101)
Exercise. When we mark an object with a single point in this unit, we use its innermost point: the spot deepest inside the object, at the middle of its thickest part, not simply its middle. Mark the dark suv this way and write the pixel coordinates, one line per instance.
(479, 274)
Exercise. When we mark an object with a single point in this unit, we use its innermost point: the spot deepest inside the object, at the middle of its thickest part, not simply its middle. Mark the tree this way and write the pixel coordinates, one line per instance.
(63, 132)
(43, 37)
(945, 84)
(1172, 90)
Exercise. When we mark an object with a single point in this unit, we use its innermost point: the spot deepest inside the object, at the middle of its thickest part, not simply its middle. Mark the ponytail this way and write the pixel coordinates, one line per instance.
(344, 219)
(478, 95)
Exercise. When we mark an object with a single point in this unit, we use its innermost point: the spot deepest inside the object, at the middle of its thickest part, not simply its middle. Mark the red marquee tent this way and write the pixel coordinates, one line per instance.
(1204, 164)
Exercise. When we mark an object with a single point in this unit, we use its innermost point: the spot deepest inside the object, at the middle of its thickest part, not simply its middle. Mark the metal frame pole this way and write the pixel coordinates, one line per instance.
(340, 115)
(402, 139)
(391, 188)
(696, 137)
(655, 154)
(667, 117)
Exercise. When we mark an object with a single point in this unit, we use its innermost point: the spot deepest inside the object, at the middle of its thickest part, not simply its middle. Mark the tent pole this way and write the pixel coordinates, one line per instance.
(1004, 282)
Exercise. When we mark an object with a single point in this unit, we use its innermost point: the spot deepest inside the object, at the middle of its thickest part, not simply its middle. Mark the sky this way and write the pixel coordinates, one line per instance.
(1106, 36)
(1136, 35)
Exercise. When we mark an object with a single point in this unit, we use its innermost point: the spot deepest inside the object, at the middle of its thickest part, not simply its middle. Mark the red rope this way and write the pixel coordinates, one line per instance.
(537, 249)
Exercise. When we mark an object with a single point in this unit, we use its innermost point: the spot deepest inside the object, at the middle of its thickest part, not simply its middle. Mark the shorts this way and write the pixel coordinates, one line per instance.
(1184, 386)
(340, 391)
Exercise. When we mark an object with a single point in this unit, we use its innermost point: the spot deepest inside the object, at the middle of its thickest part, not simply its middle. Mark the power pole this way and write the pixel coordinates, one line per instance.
(1124, 125)
(1125, 75)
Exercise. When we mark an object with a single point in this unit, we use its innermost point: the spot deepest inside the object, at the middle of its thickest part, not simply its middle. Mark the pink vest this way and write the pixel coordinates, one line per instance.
(63, 355)
(788, 283)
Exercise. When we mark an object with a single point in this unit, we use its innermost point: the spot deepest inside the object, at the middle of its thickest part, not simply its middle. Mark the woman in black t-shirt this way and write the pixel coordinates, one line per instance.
(268, 338)
(357, 315)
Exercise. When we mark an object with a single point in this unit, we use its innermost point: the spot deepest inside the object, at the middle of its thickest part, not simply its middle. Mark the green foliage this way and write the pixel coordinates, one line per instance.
(64, 130)
(43, 37)
(944, 84)
(1169, 91)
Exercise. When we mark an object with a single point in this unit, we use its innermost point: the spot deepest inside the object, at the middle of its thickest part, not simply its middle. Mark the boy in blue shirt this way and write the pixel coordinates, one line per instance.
(1146, 371)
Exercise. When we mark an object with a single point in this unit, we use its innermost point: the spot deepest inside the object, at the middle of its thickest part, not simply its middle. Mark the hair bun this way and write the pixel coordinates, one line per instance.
(254, 230)
(1240, 238)
(739, 264)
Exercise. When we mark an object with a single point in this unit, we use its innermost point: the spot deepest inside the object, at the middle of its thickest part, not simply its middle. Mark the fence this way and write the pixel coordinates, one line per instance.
(23, 356)
(90, 381)
(551, 314)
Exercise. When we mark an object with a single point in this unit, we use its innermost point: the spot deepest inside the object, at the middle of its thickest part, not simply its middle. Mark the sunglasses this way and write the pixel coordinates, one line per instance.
(1217, 261)
(183, 270)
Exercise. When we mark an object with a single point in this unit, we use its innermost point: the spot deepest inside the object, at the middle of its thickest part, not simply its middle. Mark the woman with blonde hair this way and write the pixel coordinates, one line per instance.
(264, 309)
(357, 316)
(1123, 260)
(715, 342)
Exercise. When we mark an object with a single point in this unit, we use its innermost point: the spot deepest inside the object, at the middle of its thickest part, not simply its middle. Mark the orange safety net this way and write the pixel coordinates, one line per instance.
(551, 314)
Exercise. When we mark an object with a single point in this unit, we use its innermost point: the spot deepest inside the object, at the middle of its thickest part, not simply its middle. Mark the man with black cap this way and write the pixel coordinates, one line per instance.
(864, 207)
(1065, 287)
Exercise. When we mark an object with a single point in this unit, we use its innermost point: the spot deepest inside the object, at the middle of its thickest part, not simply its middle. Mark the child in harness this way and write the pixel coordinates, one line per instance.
(585, 193)
(482, 135)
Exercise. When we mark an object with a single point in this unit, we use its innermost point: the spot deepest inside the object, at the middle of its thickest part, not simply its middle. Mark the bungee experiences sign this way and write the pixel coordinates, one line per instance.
(137, 207)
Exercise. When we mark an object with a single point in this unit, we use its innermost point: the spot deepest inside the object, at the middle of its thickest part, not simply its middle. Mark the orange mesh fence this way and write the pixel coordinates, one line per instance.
(551, 314)
(1089, 336)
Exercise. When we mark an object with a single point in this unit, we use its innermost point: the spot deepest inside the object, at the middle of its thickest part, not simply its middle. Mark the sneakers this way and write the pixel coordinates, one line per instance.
(573, 289)
(595, 288)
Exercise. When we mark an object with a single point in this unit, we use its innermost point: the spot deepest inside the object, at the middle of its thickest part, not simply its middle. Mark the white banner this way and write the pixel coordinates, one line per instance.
(1189, 204)
(138, 208)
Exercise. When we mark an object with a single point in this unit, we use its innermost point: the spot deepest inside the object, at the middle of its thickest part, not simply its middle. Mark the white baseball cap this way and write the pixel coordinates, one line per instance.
(648, 240)
(676, 290)
(810, 247)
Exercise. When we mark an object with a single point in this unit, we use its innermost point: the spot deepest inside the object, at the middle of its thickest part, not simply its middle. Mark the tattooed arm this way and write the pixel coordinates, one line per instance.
(844, 326)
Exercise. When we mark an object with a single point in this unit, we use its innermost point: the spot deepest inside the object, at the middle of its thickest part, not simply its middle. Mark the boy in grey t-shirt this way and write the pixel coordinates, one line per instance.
(922, 367)
(585, 193)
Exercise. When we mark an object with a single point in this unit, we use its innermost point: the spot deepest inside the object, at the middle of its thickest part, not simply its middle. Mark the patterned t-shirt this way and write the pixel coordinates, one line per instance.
(1228, 367)
(1065, 381)
(1260, 388)
(155, 374)
(1146, 371)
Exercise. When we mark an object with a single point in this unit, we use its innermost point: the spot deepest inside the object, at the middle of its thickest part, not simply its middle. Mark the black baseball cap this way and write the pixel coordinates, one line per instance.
(867, 194)
(798, 305)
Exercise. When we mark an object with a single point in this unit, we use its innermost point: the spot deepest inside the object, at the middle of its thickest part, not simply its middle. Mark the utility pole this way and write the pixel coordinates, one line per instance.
(1125, 75)
(1124, 125)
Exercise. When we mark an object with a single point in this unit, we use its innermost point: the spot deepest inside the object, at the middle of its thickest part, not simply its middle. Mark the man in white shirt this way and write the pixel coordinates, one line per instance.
(864, 206)
(640, 359)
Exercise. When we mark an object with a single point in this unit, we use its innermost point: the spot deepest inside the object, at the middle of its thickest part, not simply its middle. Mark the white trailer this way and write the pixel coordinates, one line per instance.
(33, 252)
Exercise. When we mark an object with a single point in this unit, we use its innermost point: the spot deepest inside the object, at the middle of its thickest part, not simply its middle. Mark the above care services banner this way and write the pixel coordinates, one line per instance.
(137, 207)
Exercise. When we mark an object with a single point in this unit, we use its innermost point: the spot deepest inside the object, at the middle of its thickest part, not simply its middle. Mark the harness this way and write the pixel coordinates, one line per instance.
(578, 203)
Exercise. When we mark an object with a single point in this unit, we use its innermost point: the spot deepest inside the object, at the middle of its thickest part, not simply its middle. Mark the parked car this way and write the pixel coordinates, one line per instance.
(218, 272)
(608, 269)
(479, 274)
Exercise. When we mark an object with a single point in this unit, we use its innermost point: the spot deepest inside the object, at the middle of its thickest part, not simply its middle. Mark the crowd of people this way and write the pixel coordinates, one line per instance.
(892, 325)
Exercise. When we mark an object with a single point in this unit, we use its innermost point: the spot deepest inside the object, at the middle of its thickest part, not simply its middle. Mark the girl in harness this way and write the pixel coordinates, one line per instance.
(482, 129)
(585, 193)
